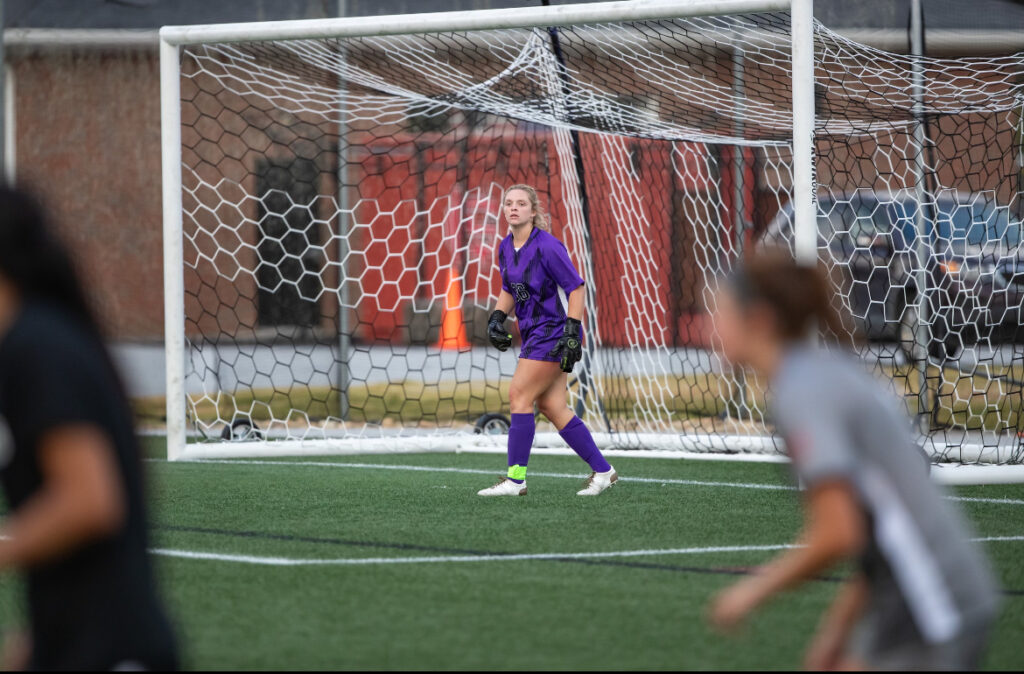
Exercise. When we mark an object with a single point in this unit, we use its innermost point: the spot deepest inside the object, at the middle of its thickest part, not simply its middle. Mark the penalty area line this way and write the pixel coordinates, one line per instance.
(573, 476)
(480, 471)
(459, 559)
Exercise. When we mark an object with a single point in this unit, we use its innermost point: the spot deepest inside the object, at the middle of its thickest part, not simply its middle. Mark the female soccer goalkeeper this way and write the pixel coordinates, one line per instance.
(922, 596)
(70, 468)
(536, 275)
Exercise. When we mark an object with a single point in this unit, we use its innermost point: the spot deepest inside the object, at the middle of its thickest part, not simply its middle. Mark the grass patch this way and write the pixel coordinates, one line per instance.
(647, 613)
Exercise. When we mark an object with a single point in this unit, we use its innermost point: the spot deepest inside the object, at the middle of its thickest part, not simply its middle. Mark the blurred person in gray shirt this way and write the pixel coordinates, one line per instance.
(923, 595)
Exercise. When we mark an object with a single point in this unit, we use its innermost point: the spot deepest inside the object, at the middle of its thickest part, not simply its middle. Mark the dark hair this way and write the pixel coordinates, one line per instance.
(35, 261)
(801, 297)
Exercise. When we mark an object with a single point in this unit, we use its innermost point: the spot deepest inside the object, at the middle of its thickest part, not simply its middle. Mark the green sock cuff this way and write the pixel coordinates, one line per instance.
(517, 472)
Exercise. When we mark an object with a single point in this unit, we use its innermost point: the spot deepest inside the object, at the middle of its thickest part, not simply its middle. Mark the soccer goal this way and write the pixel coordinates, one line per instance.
(332, 197)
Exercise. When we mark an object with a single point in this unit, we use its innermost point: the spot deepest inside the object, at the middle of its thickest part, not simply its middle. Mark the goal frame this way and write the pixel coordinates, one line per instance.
(172, 38)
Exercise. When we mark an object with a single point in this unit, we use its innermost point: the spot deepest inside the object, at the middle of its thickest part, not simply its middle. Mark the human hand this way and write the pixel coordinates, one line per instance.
(825, 652)
(731, 606)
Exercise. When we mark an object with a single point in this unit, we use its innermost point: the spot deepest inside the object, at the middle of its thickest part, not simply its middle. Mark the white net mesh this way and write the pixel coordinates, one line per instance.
(342, 200)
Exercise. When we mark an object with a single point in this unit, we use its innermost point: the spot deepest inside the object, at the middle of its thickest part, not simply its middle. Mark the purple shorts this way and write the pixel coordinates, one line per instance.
(537, 345)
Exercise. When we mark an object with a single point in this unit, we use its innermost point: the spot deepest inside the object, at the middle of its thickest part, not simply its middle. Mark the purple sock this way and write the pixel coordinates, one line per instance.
(575, 433)
(520, 442)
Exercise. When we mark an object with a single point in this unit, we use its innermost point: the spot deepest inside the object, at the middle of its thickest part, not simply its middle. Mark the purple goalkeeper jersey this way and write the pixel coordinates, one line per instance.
(538, 276)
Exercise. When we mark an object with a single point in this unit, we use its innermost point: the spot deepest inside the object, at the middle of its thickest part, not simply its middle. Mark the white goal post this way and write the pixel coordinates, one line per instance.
(202, 201)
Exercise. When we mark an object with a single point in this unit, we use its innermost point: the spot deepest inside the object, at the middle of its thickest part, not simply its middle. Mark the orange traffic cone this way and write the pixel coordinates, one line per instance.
(453, 330)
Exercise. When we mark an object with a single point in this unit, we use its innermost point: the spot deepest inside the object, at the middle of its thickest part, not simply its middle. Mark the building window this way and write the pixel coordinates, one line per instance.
(290, 241)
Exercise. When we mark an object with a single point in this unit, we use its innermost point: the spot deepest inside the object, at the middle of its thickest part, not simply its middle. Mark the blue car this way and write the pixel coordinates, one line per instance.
(973, 265)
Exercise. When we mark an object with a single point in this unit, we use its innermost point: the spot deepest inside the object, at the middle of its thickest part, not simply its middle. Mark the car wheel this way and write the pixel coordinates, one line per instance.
(492, 424)
(241, 430)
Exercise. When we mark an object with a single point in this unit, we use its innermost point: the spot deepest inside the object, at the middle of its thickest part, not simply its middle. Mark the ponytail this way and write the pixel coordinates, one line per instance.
(800, 297)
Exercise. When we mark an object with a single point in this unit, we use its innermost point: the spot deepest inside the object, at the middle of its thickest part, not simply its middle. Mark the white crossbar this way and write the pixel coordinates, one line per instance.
(488, 19)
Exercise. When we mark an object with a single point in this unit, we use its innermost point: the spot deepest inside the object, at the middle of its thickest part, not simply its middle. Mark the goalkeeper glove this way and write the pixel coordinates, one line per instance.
(570, 345)
(496, 332)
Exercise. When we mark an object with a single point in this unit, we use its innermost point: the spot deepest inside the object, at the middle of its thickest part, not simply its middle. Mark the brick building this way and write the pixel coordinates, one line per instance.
(83, 118)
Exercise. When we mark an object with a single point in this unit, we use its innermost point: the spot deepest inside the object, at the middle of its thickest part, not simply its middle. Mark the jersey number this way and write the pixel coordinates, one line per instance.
(520, 290)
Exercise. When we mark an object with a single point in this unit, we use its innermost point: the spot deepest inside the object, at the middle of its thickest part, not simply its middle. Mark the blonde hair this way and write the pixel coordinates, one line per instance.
(540, 219)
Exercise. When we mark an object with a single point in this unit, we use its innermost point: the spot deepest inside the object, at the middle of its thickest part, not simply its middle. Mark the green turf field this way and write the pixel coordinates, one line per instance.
(378, 562)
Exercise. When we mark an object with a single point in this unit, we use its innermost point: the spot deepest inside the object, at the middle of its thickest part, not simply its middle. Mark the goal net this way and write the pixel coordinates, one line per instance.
(333, 260)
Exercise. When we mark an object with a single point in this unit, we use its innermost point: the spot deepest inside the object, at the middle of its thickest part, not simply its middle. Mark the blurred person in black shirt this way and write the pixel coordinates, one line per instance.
(69, 466)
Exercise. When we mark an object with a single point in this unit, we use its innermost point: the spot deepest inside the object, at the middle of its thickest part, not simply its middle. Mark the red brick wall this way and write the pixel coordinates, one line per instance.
(88, 142)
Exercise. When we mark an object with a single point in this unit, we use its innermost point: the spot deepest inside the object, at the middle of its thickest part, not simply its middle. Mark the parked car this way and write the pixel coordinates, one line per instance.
(973, 265)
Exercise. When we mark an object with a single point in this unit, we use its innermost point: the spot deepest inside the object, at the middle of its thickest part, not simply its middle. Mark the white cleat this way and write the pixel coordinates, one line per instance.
(598, 482)
(504, 488)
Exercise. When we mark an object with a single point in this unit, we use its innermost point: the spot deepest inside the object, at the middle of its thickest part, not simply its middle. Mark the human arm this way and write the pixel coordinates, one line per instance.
(575, 301)
(505, 302)
(570, 344)
(81, 498)
(569, 348)
(826, 649)
(17, 651)
(834, 529)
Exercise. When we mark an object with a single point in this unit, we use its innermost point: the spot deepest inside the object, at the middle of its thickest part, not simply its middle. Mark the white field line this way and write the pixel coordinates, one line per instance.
(454, 559)
(357, 561)
(477, 471)
(980, 499)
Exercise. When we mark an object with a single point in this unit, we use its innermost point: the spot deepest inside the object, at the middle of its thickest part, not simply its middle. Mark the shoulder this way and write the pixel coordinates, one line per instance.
(44, 334)
(813, 381)
(548, 239)
(549, 242)
(807, 377)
